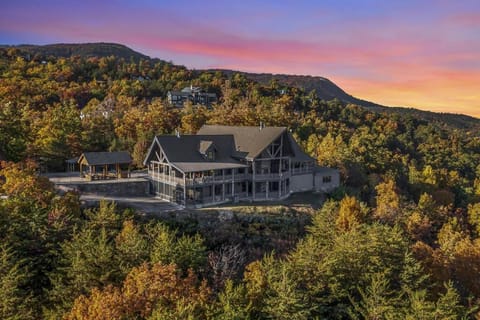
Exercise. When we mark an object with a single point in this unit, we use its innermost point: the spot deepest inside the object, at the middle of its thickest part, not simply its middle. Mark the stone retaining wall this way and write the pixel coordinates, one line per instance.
(137, 188)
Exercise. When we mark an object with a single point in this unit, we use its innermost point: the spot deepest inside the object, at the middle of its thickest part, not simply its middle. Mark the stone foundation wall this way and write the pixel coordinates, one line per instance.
(109, 188)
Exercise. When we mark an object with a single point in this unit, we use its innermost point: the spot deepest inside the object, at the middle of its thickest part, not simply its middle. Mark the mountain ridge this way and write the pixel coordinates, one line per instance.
(89, 49)
(328, 90)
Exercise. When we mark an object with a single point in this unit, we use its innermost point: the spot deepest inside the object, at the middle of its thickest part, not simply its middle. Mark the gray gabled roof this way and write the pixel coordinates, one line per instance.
(102, 158)
(72, 160)
(184, 152)
(191, 89)
(299, 154)
(231, 144)
(249, 141)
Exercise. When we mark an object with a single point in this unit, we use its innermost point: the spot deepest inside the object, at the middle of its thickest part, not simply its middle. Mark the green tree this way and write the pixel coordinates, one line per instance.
(131, 247)
(286, 300)
(185, 251)
(377, 302)
(13, 133)
(87, 261)
(233, 303)
(15, 302)
(446, 307)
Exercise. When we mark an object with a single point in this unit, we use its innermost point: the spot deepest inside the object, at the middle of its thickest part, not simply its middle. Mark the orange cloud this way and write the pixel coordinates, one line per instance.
(448, 91)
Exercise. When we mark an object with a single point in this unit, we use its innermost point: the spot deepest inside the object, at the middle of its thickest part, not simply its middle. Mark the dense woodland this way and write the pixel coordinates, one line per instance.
(399, 240)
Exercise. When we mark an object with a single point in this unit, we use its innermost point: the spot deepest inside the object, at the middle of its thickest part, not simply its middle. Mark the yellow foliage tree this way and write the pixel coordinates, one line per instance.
(350, 214)
(21, 180)
(388, 202)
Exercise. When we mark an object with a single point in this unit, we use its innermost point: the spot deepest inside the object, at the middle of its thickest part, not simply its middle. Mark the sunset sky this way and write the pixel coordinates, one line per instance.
(416, 53)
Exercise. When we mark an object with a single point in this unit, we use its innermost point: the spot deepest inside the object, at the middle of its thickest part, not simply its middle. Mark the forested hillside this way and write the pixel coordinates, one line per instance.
(86, 50)
(399, 240)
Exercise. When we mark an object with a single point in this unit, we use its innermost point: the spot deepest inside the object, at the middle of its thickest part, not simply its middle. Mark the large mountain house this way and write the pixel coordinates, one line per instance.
(228, 164)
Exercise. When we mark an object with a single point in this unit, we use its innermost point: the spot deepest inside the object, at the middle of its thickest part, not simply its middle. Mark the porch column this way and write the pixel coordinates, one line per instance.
(163, 180)
(233, 185)
(280, 187)
(253, 179)
(223, 184)
(185, 189)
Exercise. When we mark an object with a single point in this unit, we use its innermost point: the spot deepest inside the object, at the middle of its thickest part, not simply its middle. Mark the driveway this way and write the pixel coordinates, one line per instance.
(142, 204)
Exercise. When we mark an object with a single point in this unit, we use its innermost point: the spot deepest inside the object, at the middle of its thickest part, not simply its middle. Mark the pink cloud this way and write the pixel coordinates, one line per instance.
(471, 19)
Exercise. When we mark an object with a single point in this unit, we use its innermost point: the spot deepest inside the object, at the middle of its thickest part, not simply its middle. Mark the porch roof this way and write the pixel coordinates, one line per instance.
(105, 158)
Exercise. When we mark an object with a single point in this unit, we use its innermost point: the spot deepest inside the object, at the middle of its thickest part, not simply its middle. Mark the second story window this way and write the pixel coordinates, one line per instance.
(211, 155)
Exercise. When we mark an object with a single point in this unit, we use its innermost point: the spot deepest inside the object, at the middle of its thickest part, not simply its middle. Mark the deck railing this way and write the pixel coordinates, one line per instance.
(198, 180)
(218, 178)
(272, 176)
(166, 178)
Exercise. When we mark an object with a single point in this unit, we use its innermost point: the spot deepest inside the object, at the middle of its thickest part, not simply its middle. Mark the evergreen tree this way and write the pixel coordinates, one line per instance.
(15, 302)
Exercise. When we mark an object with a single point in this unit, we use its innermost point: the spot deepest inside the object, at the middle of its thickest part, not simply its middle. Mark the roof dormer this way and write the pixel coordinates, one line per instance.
(207, 149)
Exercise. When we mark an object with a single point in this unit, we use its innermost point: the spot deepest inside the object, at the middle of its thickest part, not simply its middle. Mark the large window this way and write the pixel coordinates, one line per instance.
(207, 192)
(244, 187)
(274, 186)
(327, 179)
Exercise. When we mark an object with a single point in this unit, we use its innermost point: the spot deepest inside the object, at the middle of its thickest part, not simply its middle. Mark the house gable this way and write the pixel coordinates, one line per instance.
(280, 147)
(190, 153)
(155, 153)
(249, 141)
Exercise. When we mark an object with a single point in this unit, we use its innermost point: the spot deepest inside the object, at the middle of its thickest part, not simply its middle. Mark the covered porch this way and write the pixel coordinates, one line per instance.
(104, 165)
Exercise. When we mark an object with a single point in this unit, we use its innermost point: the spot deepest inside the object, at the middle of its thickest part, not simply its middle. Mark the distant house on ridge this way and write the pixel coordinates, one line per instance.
(194, 94)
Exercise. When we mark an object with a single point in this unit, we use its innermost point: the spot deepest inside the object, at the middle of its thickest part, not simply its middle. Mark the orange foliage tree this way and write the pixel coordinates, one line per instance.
(148, 289)
(20, 180)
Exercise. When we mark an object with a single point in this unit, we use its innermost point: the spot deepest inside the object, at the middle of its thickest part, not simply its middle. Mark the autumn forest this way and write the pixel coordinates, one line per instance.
(400, 239)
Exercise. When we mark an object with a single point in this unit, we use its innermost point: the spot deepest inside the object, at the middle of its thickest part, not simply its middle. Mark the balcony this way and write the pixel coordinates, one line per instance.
(272, 176)
(166, 178)
(205, 180)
